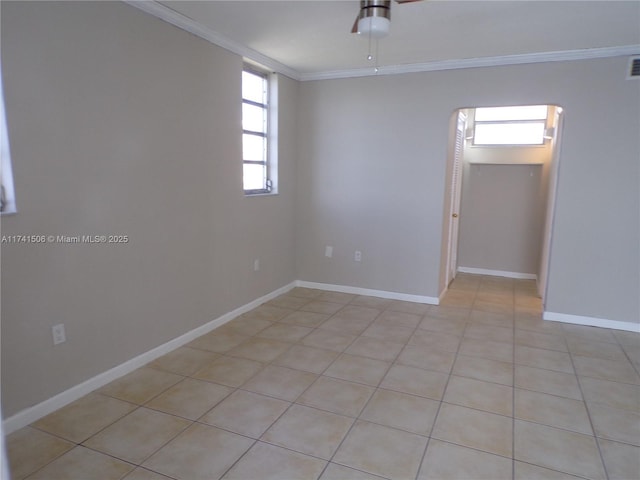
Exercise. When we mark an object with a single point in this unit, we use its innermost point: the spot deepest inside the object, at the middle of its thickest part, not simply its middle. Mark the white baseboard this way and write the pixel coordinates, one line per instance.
(498, 273)
(31, 414)
(372, 293)
(591, 321)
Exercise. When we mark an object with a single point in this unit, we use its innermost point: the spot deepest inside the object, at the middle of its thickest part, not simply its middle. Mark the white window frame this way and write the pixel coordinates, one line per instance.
(507, 121)
(7, 194)
(269, 161)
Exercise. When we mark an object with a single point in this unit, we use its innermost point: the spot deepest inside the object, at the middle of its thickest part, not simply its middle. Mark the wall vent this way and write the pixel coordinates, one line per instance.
(634, 68)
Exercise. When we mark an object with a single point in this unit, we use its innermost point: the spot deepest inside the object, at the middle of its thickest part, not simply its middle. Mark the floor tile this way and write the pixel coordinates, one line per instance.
(447, 461)
(270, 313)
(143, 474)
(535, 323)
(336, 297)
(526, 471)
(309, 431)
(606, 369)
(610, 351)
(593, 334)
(556, 449)
(478, 317)
(85, 464)
(375, 348)
(488, 332)
(326, 308)
(490, 397)
(381, 451)
(229, 371)
(348, 325)
(429, 339)
(310, 359)
(305, 319)
(371, 302)
(141, 385)
(429, 359)
(285, 332)
(359, 312)
(288, 301)
(268, 462)
(399, 319)
(29, 449)
(408, 307)
(218, 341)
(138, 435)
(304, 292)
(541, 358)
(189, 398)
(484, 369)
(547, 381)
(614, 424)
(448, 312)
(259, 349)
(200, 452)
(358, 369)
(551, 410)
(183, 361)
(611, 394)
(545, 341)
(79, 420)
(400, 410)
(622, 461)
(337, 396)
(246, 325)
(391, 333)
(415, 381)
(328, 339)
(450, 326)
(339, 472)
(474, 347)
(280, 382)
(475, 429)
(246, 413)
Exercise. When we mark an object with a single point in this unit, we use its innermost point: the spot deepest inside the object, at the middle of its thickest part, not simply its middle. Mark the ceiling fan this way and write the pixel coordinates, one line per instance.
(374, 17)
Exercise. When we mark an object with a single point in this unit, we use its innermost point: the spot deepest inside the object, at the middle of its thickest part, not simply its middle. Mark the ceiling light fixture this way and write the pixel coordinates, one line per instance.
(374, 18)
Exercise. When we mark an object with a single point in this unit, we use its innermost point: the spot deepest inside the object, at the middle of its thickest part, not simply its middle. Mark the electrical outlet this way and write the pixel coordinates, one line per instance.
(328, 251)
(256, 265)
(59, 336)
(358, 256)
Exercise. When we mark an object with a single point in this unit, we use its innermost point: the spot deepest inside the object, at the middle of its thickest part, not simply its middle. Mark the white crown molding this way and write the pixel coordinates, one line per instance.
(185, 23)
(542, 57)
(179, 20)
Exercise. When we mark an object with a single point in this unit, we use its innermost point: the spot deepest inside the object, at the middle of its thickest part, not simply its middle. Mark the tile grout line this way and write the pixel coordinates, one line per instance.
(444, 390)
(584, 400)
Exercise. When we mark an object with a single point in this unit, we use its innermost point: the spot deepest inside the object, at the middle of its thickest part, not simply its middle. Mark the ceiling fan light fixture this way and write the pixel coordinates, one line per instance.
(374, 18)
(376, 27)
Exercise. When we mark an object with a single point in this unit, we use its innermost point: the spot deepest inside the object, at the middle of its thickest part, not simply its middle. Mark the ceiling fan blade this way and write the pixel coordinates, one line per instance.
(354, 29)
(407, 1)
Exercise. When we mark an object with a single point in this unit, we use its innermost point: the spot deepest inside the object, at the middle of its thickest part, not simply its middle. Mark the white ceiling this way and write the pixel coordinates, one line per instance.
(310, 39)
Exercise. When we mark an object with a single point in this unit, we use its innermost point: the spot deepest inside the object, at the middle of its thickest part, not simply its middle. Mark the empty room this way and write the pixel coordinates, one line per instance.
(320, 240)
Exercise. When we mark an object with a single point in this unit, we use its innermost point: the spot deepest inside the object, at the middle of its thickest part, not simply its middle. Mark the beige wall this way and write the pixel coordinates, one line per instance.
(123, 124)
(372, 175)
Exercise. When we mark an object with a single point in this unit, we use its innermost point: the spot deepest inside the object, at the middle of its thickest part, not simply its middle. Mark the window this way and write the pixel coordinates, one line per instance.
(255, 131)
(7, 197)
(510, 125)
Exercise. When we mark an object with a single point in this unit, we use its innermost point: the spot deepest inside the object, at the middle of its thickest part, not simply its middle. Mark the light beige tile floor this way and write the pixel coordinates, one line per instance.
(329, 385)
